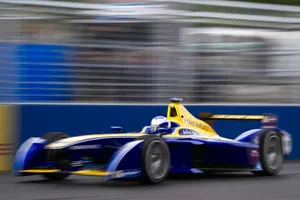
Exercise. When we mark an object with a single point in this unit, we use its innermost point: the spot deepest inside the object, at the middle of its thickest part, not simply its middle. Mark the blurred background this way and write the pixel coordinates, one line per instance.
(134, 51)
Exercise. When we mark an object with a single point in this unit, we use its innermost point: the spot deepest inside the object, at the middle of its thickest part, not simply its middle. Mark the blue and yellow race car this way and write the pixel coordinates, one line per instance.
(176, 143)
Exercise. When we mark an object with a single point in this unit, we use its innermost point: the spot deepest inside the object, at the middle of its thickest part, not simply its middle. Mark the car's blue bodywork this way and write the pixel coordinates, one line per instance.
(118, 155)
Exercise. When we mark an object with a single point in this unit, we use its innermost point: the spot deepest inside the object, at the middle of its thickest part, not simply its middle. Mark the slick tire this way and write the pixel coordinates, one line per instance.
(271, 153)
(155, 159)
(52, 137)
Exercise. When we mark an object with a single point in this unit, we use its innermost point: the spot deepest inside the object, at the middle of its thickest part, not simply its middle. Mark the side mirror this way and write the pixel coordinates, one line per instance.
(164, 131)
(116, 129)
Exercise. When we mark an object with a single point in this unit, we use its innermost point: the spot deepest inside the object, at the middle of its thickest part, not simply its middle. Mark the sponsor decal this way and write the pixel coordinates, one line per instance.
(77, 163)
(195, 124)
(254, 153)
(269, 121)
(81, 147)
(186, 132)
(122, 174)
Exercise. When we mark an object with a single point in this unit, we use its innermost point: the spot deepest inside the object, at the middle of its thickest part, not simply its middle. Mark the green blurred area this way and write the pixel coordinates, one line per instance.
(286, 2)
(244, 11)
(216, 20)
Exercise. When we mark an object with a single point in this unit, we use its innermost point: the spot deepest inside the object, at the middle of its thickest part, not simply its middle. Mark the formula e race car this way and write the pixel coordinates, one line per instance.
(187, 145)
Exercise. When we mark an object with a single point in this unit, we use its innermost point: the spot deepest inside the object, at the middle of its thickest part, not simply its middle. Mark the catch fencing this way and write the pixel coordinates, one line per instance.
(75, 55)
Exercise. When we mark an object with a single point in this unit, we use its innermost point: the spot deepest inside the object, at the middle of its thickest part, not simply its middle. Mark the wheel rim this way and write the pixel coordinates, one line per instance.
(273, 152)
(157, 160)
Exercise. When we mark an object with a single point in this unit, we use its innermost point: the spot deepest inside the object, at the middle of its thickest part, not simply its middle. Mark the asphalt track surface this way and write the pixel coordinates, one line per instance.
(242, 186)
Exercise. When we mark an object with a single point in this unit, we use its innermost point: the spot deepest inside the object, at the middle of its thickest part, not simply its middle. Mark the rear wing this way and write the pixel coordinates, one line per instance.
(267, 120)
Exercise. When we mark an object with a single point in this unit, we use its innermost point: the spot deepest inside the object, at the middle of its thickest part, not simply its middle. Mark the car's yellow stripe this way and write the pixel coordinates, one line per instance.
(40, 170)
(91, 173)
(72, 140)
(80, 172)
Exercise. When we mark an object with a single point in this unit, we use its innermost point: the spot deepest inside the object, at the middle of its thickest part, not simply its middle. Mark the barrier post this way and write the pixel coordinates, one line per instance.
(8, 125)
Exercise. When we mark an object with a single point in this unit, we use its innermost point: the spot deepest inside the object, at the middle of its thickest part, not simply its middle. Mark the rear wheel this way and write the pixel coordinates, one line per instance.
(271, 153)
(53, 137)
(155, 159)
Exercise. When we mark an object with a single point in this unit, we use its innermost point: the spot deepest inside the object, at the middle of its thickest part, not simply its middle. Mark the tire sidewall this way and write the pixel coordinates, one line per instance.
(264, 139)
(50, 138)
(54, 136)
(149, 140)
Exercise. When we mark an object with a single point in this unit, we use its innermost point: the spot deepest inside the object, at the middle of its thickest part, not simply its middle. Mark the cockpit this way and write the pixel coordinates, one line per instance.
(147, 129)
(173, 111)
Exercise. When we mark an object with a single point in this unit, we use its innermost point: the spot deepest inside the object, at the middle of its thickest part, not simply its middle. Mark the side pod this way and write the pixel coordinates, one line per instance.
(30, 154)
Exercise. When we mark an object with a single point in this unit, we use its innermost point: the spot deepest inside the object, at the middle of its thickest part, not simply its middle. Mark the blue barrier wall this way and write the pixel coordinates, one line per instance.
(8, 72)
(36, 120)
(43, 72)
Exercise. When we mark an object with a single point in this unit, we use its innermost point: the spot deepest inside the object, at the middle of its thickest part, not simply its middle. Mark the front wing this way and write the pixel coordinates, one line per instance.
(30, 159)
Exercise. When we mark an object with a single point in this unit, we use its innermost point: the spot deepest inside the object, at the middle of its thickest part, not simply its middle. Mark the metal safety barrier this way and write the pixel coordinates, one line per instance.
(68, 53)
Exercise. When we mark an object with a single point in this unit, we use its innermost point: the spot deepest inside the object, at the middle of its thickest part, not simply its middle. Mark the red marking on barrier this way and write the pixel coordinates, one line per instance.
(6, 144)
(7, 149)
(5, 153)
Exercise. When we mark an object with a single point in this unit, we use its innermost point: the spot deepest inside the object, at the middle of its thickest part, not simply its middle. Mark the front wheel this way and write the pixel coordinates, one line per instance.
(53, 137)
(155, 159)
(271, 153)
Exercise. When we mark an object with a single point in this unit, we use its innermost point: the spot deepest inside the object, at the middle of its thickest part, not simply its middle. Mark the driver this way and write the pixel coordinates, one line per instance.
(159, 122)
